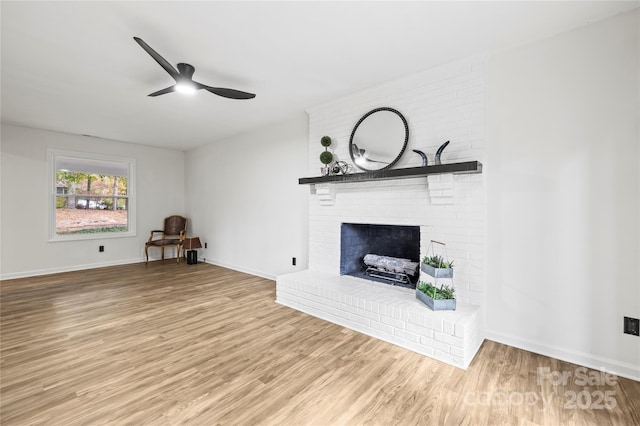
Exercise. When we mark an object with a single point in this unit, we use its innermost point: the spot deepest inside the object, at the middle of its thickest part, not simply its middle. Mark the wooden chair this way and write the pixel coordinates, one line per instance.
(173, 234)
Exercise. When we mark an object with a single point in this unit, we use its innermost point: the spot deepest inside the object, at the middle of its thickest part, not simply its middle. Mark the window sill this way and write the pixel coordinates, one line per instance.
(97, 236)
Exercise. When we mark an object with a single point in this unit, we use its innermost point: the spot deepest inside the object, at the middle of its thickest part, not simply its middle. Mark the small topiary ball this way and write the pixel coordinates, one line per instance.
(325, 141)
(326, 157)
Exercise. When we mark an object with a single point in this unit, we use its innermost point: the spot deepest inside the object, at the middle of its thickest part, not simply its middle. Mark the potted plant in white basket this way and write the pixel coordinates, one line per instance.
(438, 299)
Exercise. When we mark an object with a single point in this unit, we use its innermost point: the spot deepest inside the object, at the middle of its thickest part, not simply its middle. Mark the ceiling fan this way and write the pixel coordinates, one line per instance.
(183, 77)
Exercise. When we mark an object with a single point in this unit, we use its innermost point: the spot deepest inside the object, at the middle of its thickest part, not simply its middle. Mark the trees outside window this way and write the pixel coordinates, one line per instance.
(92, 196)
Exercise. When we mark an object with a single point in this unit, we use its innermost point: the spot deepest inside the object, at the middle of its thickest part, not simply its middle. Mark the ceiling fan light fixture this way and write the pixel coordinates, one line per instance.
(186, 87)
(183, 78)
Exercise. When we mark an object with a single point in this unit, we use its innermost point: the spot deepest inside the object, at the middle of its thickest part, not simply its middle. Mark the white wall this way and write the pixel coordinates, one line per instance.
(245, 202)
(25, 250)
(563, 201)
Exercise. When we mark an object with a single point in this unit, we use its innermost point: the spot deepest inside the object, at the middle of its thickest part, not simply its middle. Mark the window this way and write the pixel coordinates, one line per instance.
(91, 196)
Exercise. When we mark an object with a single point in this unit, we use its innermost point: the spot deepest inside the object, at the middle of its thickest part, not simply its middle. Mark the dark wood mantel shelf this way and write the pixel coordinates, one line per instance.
(409, 172)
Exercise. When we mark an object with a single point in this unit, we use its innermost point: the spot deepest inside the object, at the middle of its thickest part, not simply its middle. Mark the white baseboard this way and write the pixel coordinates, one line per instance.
(241, 269)
(57, 270)
(47, 271)
(622, 369)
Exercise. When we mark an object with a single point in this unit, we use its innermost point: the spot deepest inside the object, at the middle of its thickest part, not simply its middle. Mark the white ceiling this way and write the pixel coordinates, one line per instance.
(74, 66)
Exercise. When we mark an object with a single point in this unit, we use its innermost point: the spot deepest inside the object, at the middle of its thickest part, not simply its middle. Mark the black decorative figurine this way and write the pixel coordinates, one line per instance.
(439, 152)
(425, 161)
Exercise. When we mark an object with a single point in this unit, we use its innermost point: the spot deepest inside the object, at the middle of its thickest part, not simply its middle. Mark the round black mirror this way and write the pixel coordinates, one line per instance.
(378, 139)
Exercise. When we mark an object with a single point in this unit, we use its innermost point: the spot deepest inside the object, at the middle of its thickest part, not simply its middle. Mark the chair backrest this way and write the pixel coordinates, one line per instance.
(173, 225)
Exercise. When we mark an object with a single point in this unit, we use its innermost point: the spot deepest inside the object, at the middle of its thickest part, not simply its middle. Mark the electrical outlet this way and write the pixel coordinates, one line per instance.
(100, 249)
(293, 261)
(632, 326)
(205, 245)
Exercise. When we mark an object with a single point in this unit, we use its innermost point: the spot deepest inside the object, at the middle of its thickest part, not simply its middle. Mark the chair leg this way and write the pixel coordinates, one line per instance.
(178, 253)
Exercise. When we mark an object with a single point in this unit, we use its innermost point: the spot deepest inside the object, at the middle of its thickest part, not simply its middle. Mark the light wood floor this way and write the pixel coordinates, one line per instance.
(168, 344)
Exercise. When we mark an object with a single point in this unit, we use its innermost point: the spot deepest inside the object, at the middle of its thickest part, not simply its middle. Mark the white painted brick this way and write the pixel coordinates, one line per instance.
(448, 357)
(392, 321)
(332, 303)
(416, 318)
(411, 337)
(448, 327)
(368, 314)
(359, 319)
(369, 306)
(435, 344)
(445, 338)
(382, 327)
(460, 331)
(419, 348)
(434, 324)
(422, 331)
(397, 314)
(442, 200)
(459, 352)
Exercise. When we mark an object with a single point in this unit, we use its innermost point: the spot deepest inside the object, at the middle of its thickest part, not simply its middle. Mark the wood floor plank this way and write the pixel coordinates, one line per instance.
(167, 344)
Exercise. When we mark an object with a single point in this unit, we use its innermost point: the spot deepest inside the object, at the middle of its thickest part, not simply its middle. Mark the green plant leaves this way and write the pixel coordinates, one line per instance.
(326, 157)
(437, 262)
(443, 293)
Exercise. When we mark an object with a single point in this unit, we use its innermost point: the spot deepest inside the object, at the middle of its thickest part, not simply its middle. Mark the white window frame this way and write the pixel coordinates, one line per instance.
(130, 163)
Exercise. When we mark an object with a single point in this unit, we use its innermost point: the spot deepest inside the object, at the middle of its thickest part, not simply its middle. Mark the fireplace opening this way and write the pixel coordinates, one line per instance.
(385, 253)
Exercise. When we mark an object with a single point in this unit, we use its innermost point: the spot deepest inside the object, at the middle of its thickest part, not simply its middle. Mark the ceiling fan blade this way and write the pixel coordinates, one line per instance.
(159, 59)
(164, 91)
(227, 93)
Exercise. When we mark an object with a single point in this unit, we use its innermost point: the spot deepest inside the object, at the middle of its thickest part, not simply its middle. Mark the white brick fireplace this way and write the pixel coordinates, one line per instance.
(446, 103)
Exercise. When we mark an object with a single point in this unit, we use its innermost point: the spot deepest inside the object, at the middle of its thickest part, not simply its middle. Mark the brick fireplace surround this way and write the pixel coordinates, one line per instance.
(445, 103)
